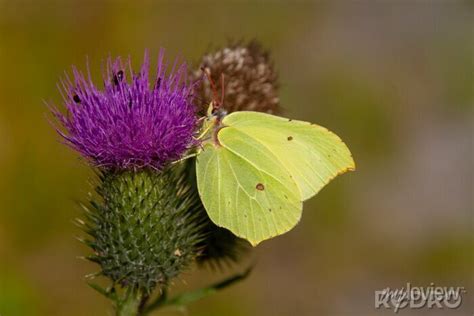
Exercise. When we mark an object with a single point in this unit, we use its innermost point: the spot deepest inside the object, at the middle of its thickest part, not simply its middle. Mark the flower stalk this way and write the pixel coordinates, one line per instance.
(131, 305)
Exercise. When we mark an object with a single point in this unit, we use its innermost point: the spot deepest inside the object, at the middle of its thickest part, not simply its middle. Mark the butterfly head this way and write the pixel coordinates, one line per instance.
(215, 115)
(216, 112)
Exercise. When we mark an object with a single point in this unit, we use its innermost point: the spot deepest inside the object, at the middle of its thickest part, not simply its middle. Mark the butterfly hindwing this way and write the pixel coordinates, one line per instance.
(244, 198)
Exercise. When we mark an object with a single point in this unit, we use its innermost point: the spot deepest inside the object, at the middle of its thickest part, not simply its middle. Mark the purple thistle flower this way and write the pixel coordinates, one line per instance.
(131, 122)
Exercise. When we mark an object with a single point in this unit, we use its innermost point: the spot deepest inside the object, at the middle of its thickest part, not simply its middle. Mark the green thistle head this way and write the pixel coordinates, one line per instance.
(144, 227)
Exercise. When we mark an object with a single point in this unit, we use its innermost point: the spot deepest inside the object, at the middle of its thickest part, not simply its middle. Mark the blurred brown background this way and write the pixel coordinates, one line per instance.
(393, 79)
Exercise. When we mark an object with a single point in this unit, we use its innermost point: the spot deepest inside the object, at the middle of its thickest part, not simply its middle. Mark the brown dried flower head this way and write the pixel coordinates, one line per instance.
(251, 82)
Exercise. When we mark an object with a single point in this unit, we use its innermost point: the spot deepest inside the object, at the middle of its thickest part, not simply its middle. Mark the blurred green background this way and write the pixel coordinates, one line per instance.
(393, 79)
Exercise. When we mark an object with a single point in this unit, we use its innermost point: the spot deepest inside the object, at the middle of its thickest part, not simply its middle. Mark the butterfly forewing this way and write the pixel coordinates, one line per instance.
(311, 154)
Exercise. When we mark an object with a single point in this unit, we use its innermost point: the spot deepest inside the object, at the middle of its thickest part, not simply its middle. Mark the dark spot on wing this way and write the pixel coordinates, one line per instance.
(290, 138)
(286, 197)
(76, 98)
(289, 120)
(269, 209)
(260, 187)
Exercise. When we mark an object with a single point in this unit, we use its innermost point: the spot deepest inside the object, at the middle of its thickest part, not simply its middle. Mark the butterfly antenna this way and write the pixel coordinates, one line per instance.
(222, 89)
(213, 87)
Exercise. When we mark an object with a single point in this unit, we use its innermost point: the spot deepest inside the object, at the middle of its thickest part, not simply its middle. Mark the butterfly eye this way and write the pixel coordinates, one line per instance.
(76, 98)
(219, 113)
(215, 110)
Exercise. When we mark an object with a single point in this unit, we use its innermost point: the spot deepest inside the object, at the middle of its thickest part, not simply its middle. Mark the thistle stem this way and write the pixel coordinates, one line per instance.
(130, 305)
